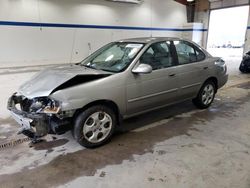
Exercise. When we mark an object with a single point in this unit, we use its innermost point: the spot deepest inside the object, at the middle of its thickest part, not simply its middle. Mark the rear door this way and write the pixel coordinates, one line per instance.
(192, 69)
(158, 88)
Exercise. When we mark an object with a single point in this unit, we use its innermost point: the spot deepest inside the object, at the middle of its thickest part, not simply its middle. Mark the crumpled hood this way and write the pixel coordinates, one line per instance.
(46, 81)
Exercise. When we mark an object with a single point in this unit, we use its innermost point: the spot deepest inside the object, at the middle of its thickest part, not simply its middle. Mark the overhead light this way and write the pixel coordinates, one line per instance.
(127, 1)
(190, 0)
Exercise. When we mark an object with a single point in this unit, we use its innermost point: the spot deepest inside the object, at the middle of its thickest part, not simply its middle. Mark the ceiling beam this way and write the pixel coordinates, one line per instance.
(184, 2)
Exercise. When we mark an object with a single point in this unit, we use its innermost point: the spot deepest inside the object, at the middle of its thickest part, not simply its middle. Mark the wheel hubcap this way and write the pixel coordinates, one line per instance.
(97, 127)
(208, 94)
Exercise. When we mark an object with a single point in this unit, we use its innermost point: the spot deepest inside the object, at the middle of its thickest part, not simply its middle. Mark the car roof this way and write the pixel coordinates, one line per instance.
(149, 39)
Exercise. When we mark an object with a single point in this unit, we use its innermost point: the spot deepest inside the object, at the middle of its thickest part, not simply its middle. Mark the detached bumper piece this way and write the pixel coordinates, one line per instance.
(36, 125)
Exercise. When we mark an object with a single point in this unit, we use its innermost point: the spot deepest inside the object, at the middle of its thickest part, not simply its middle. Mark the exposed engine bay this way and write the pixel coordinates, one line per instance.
(38, 116)
(39, 105)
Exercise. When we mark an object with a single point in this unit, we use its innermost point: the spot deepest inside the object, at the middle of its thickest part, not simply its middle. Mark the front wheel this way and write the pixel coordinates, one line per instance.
(205, 96)
(94, 126)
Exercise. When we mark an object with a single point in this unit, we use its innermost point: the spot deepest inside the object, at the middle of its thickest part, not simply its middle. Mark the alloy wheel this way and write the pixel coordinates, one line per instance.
(97, 127)
(208, 94)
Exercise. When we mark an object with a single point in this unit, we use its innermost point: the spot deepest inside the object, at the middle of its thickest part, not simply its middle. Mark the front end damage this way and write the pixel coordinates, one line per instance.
(39, 116)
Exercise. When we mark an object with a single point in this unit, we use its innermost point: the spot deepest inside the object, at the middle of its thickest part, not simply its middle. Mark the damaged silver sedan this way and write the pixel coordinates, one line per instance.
(118, 81)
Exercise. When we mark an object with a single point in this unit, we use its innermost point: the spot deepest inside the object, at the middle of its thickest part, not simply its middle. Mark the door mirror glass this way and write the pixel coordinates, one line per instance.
(142, 69)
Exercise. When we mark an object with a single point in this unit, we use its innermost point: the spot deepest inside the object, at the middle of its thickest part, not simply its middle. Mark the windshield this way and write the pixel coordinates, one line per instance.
(114, 57)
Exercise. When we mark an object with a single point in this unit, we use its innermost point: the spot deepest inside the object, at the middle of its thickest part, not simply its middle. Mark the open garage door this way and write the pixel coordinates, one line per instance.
(227, 29)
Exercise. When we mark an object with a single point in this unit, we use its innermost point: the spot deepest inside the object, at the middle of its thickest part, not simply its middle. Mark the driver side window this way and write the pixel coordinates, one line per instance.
(158, 56)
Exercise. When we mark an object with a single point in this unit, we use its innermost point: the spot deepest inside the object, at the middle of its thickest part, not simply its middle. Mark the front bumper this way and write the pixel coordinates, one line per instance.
(35, 125)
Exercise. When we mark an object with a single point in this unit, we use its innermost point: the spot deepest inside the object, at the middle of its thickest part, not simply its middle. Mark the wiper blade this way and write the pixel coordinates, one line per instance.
(88, 66)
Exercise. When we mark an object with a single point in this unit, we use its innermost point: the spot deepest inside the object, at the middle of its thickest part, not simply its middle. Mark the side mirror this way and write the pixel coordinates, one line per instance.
(142, 69)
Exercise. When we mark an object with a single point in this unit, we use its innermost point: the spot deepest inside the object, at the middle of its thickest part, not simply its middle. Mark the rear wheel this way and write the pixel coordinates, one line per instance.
(94, 126)
(206, 95)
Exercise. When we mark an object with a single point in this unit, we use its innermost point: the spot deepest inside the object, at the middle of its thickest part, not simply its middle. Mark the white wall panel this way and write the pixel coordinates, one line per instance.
(19, 10)
(22, 45)
(203, 17)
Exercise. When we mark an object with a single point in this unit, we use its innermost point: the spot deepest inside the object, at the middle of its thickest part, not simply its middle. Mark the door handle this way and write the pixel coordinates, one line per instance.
(205, 68)
(171, 75)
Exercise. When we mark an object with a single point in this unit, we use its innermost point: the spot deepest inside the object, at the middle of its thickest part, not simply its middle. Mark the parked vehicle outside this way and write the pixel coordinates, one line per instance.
(118, 81)
(245, 63)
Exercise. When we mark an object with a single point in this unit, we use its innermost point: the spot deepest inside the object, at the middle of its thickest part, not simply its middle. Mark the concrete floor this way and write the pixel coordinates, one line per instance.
(178, 146)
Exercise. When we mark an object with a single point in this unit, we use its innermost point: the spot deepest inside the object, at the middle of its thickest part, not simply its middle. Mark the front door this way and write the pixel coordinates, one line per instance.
(158, 88)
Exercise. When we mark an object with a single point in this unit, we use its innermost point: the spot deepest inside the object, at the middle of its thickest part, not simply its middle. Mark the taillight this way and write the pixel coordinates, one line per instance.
(221, 64)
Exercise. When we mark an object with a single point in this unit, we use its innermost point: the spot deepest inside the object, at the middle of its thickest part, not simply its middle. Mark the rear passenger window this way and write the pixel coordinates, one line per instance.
(158, 56)
(200, 55)
(188, 53)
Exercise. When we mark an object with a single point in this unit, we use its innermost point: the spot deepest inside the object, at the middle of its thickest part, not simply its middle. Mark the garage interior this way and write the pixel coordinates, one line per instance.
(176, 146)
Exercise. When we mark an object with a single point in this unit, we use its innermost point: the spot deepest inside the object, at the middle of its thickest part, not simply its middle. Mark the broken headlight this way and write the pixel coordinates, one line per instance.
(45, 105)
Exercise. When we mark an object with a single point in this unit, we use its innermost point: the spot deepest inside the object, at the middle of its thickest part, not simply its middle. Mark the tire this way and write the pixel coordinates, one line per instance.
(241, 68)
(206, 95)
(94, 126)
